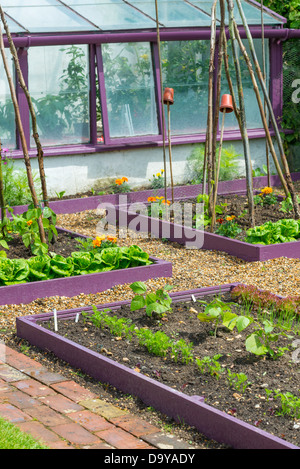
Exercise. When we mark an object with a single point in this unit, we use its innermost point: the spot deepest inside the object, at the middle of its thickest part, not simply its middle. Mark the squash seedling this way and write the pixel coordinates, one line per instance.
(158, 302)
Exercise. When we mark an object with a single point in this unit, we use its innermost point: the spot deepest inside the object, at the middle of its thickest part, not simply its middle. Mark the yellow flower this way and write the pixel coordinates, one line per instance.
(162, 170)
(29, 222)
(159, 198)
(266, 190)
(158, 175)
(230, 218)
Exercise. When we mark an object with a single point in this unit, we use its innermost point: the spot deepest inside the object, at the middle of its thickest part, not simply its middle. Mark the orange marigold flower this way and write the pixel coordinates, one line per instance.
(165, 202)
(97, 241)
(119, 182)
(124, 179)
(29, 222)
(230, 218)
(151, 199)
(266, 190)
(112, 239)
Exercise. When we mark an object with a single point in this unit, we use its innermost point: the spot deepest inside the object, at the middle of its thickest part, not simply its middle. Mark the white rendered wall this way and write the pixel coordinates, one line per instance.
(80, 173)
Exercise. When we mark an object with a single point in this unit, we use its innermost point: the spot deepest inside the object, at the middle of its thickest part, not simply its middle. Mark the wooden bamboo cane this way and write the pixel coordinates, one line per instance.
(244, 132)
(213, 219)
(207, 165)
(262, 113)
(272, 116)
(170, 151)
(40, 152)
(161, 97)
(22, 136)
(265, 77)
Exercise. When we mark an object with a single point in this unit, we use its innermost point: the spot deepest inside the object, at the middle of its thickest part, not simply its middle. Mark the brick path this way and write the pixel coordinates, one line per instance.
(63, 415)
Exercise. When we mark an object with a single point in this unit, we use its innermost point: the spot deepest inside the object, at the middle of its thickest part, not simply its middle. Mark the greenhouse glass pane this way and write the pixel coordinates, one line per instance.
(130, 90)
(59, 87)
(185, 69)
(58, 18)
(253, 117)
(111, 14)
(173, 13)
(7, 114)
(252, 13)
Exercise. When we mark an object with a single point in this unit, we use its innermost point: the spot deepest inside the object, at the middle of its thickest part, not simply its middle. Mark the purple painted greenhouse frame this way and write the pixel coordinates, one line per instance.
(192, 410)
(95, 40)
(87, 284)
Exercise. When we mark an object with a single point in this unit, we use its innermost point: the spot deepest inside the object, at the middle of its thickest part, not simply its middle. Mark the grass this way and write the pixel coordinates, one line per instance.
(11, 437)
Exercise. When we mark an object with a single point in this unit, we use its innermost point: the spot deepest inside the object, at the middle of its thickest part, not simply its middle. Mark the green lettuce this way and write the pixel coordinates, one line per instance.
(39, 268)
(13, 271)
(282, 231)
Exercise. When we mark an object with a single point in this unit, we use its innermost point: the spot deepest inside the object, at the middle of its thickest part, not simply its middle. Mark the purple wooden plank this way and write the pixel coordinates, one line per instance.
(91, 203)
(193, 411)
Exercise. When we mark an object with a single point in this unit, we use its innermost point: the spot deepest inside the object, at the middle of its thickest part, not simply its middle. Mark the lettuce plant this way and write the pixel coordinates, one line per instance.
(282, 231)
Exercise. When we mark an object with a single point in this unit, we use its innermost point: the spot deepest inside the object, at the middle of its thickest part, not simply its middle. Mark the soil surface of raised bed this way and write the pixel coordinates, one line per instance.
(64, 245)
(250, 405)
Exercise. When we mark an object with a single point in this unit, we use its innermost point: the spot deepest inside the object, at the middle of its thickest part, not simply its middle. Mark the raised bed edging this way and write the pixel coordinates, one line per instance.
(91, 203)
(200, 239)
(213, 423)
(87, 284)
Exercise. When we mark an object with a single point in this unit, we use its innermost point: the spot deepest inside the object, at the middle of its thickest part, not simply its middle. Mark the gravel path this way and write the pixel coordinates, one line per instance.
(191, 269)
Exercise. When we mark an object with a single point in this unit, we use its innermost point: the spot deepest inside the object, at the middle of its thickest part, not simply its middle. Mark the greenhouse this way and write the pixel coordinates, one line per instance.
(93, 72)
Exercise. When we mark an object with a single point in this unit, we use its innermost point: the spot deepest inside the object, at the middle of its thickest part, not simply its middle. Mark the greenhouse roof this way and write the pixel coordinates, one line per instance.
(57, 16)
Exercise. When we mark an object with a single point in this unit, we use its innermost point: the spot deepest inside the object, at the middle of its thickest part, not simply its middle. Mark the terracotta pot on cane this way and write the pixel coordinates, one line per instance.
(169, 96)
(226, 103)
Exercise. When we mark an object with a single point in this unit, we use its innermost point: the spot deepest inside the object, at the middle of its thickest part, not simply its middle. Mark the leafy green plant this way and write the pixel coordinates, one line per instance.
(210, 364)
(282, 231)
(228, 166)
(228, 227)
(261, 340)
(265, 197)
(97, 244)
(290, 404)
(46, 266)
(238, 381)
(220, 312)
(204, 218)
(157, 181)
(158, 302)
(159, 207)
(26, 226)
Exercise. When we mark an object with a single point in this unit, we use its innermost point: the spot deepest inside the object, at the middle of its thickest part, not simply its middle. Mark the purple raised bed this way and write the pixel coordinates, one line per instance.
(91, 203)
(213, 423)
(127, 216)
(89, 283)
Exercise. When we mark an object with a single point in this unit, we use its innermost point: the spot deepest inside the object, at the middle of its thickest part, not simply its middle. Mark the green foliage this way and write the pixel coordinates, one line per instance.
(44, 267)
(238, 381)
(15, 182)
(220, 312)
(204, 219)
(26, 226)
(261, 340)
(228, 164)
(158, 302)
(228, 227)
(290, 404)
(212, 365)
(282, 231)
(157, 181)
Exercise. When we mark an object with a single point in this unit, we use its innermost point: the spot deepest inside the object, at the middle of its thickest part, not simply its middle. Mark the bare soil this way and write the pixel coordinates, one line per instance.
(250, 405)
